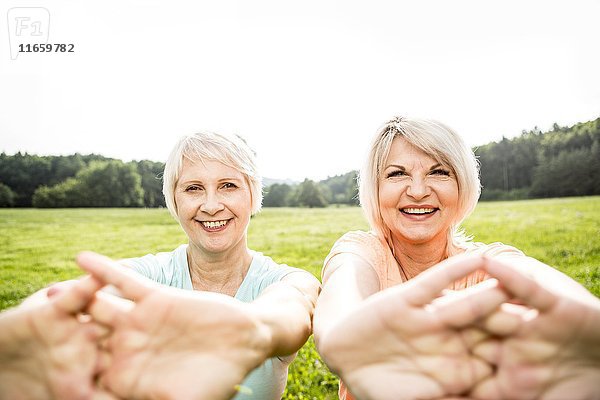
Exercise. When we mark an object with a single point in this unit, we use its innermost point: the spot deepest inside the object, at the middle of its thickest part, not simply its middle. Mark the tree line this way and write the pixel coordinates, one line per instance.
(78, 181)
(340, 189)
(562, 162)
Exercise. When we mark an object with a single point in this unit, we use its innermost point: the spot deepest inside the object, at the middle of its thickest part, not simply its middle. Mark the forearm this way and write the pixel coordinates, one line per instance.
(286, 309)
(345, 287)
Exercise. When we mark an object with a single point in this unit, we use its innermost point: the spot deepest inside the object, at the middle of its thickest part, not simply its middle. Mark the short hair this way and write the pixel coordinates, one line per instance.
(230, 150)
(437, 141)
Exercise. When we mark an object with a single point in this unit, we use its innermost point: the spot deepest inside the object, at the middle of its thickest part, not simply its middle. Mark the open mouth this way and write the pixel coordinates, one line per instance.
(214, 225)
(418, 211)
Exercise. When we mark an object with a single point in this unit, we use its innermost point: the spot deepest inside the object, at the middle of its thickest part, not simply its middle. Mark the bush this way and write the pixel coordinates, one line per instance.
(101, 184)
(7, 196)
(62, 195)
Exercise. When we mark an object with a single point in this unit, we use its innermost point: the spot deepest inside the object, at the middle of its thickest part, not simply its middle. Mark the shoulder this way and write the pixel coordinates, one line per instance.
(263, 265)
(163, 267)
(358, 237)
(263, 272)
(157, 260)
(361, 243)
(359, 248)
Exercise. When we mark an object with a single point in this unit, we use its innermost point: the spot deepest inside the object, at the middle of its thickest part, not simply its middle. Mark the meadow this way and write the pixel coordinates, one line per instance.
(39, 246)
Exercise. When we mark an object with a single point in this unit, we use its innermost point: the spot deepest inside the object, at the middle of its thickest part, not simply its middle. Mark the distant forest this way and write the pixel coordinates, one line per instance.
(562, 162)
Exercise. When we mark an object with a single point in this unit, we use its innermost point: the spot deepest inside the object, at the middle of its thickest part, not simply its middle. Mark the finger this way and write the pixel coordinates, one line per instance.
(427, 286)
(77, 297)
(506, 320)
(469, 305)
(488, 388)
(522, 354)
(36, 299)
(109, 310)
(60, 287)
(473, 336)
(489, 350)
(521, 286)
(448, 292)
(130, 284)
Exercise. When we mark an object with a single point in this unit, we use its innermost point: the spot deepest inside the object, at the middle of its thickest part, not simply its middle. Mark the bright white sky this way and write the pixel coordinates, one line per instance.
(306, 82)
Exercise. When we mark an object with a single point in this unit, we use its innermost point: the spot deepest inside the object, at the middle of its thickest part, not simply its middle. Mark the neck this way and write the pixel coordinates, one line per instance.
(415, 258)
(221, 272)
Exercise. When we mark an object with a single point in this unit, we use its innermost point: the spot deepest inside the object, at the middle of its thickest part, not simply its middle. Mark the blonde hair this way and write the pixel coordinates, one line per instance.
(230, 150)
(437, 141)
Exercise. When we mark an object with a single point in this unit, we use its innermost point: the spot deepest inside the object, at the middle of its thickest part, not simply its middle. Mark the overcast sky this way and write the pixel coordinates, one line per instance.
(305, 82)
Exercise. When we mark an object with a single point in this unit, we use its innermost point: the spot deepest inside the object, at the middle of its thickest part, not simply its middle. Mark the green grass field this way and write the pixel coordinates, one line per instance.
(39, 245)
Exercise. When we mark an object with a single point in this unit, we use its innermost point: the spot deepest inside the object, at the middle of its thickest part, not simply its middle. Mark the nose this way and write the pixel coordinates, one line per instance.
(418, 188)
(212, 203)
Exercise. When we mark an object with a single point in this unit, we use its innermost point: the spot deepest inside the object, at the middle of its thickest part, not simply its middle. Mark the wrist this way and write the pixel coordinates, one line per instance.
(264, 338)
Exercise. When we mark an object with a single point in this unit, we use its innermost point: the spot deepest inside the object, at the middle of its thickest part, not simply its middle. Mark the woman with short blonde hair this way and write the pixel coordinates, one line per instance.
(228, 149)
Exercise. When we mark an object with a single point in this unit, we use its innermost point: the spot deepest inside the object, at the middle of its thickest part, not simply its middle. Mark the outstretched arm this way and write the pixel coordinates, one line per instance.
(47, 352)
(286, 308)
(165, 336)
(406, 341)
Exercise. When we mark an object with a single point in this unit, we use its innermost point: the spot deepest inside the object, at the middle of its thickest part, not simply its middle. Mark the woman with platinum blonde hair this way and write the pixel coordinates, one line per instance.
(210, 320)
(414, 309)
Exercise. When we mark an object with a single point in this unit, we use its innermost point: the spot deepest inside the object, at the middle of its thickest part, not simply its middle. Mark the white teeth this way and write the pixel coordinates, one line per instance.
(418, 210)
(213, 224)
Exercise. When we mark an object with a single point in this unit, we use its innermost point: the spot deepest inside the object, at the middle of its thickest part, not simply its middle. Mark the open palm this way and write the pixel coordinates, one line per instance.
(173, 344)
(407, 342)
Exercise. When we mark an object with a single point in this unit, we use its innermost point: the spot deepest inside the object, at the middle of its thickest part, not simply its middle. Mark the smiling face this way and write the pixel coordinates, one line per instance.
(213, 205)
(418, 197)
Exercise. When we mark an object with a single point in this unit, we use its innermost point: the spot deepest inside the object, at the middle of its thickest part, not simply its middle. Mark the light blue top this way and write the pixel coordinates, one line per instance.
(265, 382)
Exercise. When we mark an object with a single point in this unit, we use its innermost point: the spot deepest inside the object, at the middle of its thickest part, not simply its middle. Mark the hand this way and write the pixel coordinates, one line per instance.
(549, 349)
(46, 352)
(406, 342)
(173, 344)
